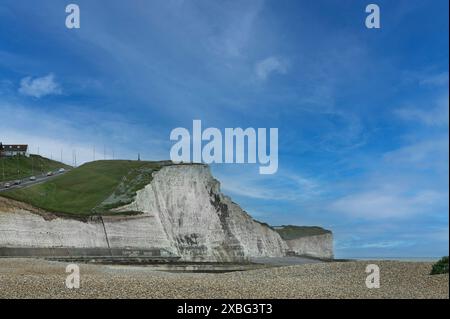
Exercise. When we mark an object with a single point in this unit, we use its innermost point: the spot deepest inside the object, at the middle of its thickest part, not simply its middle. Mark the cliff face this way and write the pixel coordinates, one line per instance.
(320, 246)
(200, 221)
(183, 212)
(310, 241)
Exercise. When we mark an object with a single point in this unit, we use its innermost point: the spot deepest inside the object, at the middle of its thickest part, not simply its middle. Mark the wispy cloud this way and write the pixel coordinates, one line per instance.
(384, 244)
(424, 154)
(286, 186)
(381, 204)
(439, 79)
(437, 114)
(234, 24)
(56, 131)
(409, 181)
(39, 87)
(270, 65)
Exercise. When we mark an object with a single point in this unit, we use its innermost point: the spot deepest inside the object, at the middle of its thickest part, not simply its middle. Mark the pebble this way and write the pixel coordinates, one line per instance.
(35, 278)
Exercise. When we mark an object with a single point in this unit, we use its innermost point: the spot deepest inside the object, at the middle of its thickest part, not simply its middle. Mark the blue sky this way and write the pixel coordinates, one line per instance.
(362, 114)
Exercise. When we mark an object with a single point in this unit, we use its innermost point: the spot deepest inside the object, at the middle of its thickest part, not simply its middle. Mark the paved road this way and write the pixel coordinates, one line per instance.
(26, 181)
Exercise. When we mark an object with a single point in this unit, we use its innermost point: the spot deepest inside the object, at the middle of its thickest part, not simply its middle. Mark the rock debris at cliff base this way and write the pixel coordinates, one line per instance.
(29, 278)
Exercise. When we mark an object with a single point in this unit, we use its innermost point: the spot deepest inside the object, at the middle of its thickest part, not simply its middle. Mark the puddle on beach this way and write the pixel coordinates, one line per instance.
(191, 268)
(255, 263)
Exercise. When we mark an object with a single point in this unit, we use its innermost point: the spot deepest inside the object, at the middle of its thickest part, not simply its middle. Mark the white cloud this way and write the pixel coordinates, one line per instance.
(383, 203)
(409, 181)
(436, 115)
(375, 244)
(439, 79)
(39, 87)
(54, 148)
(429, 153)
(266, 67)
(233, 27)
(57, 131)
(286, 186)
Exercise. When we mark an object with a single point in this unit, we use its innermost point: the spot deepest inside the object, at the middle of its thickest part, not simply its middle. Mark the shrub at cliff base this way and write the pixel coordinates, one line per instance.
(441, 267)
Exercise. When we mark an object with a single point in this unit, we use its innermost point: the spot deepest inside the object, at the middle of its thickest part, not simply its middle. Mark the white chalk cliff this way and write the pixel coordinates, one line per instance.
(201, 222)
(182, 211)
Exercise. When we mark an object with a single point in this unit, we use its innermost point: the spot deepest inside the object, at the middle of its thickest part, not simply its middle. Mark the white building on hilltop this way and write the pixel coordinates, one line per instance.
(13, 150)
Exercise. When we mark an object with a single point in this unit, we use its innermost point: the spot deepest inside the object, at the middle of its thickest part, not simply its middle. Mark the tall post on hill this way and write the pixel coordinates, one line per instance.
(18, 170)
(74, 158)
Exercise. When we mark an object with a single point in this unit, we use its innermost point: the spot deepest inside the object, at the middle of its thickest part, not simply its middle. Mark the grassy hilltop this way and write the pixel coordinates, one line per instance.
(93, 188)
(288, 232)
(19, 167)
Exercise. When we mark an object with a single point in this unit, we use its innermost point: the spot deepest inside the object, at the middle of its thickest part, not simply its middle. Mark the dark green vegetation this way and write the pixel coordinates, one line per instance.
(293, 232)
(93, 188)
(440, 267)
(20, 167)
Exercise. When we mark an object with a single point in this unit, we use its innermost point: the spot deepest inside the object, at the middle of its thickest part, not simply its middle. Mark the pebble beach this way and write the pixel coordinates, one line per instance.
(36, 278)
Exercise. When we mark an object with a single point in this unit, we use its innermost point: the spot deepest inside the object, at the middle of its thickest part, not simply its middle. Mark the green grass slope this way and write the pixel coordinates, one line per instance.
(93, 188)
(19, 167)
(294, 232)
